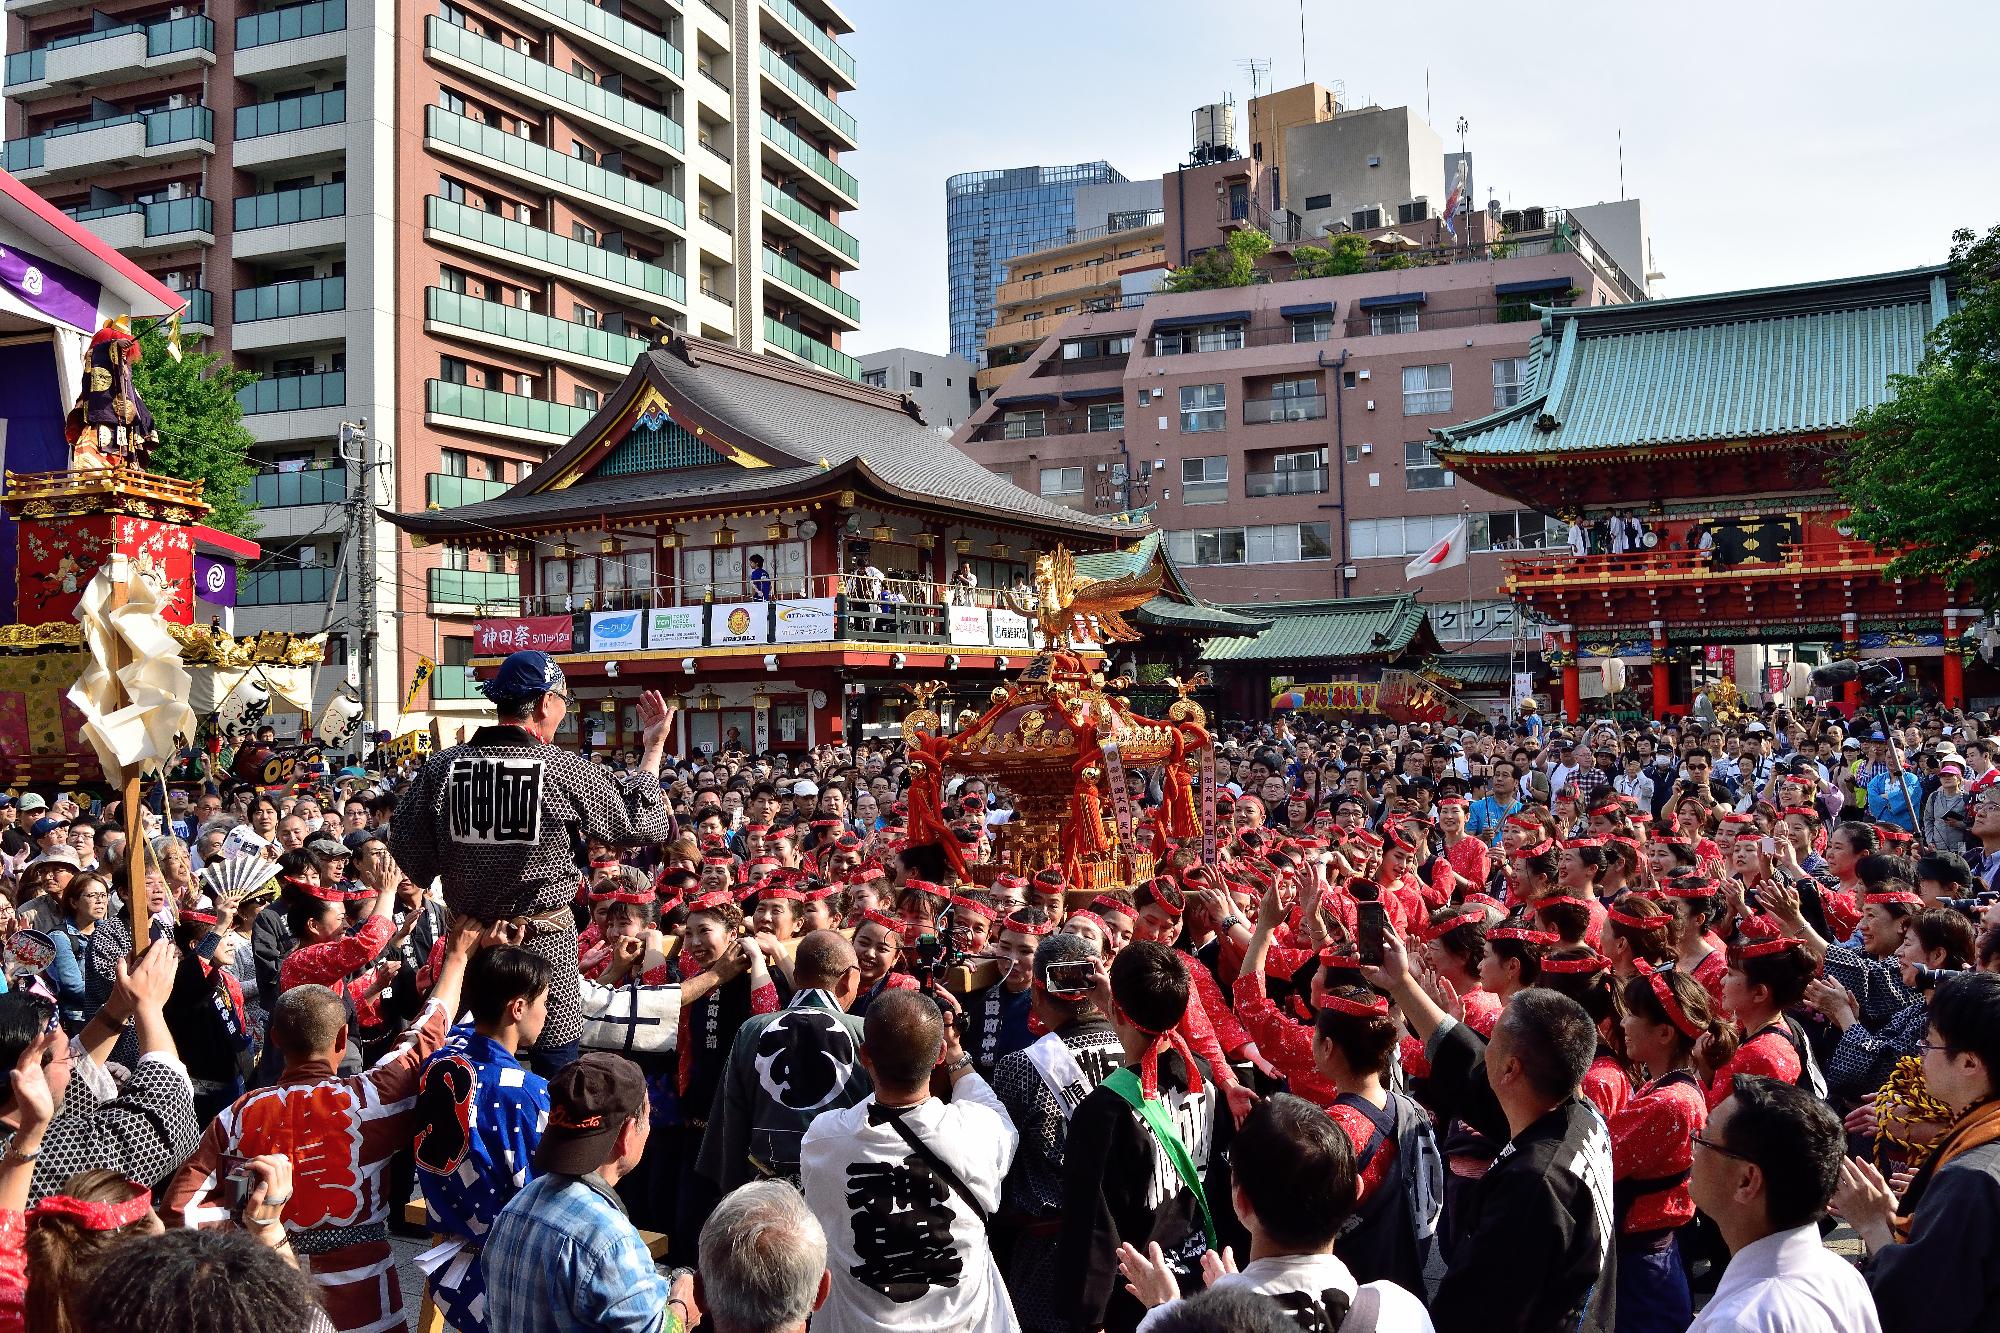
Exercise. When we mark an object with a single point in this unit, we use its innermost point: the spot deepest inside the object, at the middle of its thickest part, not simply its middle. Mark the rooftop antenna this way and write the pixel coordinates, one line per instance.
(1257, 69)
(1302, 43)
(1427, 94)
(1463, 126)
(1621, 163)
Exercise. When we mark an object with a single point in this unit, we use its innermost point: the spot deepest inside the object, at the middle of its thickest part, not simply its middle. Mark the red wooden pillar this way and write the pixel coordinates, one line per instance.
(1661, 695)
(1572, 676)
(1954, 665)
(1850, 642)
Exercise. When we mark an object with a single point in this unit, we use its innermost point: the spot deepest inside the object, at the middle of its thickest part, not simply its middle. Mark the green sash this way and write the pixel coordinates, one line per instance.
(1126, 1084)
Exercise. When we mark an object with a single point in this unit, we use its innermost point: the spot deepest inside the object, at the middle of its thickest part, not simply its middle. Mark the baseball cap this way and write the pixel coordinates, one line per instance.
(589, 1102)
(360, 838)
(525, 675)
(805, 787)
(33, 801)
(326, 847)
(44, 826)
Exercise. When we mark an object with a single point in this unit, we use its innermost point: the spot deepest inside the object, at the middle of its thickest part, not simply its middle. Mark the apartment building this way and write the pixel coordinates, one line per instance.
(1280, 432)
(941, 386)
(456, 220)
(1101, 268)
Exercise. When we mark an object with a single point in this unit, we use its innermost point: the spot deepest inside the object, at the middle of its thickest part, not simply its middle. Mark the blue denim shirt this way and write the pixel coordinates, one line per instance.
(562, 1257)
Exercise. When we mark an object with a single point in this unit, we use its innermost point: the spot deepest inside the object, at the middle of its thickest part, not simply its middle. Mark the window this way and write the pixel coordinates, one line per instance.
(454, 462)
(585, 398)
(1350, 453)
(1203, 407)
(1465, 622)
(584, 72)
(1313, 328)
(875, 379)
(1091, 349)
(1371, 538)
(1514, 530)
(1426, 389)
(1319, 201)
(1198, 338)
(588, 235)
(453, 370)
(1366, 219)
(1025, 425)
(1239, 200)
(1510, 375)
(1060, 481)
(583, 152)
(451, 190)
(1421, 470)
(451, 101)
(1063, 310)
(1265, 544)
(1105, 416)
(1204, 481)
(1393, 319)
(584, 315)
(916, 379)
(1062, 268)
(454, 279)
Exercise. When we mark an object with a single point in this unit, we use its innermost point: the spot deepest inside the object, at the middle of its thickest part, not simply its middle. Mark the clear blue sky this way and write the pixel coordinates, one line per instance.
(1772, 141)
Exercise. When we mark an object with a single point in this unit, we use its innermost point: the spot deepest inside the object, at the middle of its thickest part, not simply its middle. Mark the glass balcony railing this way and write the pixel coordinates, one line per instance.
(804, 280)
(810, 349)
(483, 228)
(559, 169)
(444, 491)
(168, 37)
(1302, 407)
(281, 587)
(532, 75)
(465, 587)
(1298, 481)
(314, 296)
(797, 213)
(627, 36)
(307, 203)
(815, 36)
(454, 683)
(288, 490)
(180, 125)
(511, 410)
(200, 307)
(802, 88)
(304, 111)
(293, 21)
(528, 326)
(293, 393)
(164, 217)
(815, 161)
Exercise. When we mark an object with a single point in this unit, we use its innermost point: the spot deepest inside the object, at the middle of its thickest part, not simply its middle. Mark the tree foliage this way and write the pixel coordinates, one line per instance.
(1919, 471)
(202, 437)
(1340, 256)
(1231, 265)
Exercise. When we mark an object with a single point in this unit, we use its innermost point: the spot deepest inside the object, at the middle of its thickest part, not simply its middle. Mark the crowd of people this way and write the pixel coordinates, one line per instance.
(1511, 1027)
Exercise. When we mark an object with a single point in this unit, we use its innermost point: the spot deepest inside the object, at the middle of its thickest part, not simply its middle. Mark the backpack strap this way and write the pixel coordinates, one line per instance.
(1126, 1084)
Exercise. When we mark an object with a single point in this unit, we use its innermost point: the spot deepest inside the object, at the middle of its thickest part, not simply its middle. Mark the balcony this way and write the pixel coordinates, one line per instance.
(285, 587)
(141, 229)
(302, 111)
(837, 243)
(483, 233)
(810, 349)
(442, 490)
(589, 25)
(801, 91)
(279, 208)
(290, 490)
(293, 393)
(832, 55)
(199, 317)
(511, 416)
(1265, 411)
(814, 288)
(1081, 278)
(471, 588)
(291, 23)
(1037, 425)
(518, 75)
(546, 170)
(97, 147)
(822, 169)
(111, 55)
(492, 324)
(454, 684)
(1296, 481)
(283, 300)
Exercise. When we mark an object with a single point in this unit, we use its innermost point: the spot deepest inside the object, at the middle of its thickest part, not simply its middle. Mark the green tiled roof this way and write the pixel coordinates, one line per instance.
(1356, 629)
(1175, 609)
(1762, 364)
(1470, 671)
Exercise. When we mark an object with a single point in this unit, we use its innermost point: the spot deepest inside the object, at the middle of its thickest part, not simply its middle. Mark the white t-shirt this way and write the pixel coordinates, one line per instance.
(1289, 1277)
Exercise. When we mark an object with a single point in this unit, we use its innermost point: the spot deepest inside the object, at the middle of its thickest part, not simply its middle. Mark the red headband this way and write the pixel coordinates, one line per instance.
(1453, 803)
(1578, 844)
(1104, 902)
(1663, 991)
(972, 905)
(635, 896)
(1523, 822)
(866, 875)
(1445, 925)
(1895, 898)
(1554, 898)
(822, 893)
(1091, 917)
(708, 902)
(1544, 845)
(1483, 900)
(1523, 935)
(326, 893)
(1014, 925)
(1765, 948)
(1638, 922)
(1374, 1006)
(924, 886)
(782, 893)
(1575, 966)
(894, 924)
(97, 1216)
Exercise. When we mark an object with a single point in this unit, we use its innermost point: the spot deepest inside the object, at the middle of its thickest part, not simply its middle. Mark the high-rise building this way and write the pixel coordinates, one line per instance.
(992, 216)
(457, 220)
(940, 386)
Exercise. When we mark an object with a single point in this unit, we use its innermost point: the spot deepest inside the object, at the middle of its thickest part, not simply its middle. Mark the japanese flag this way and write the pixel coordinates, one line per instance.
(1447, 551)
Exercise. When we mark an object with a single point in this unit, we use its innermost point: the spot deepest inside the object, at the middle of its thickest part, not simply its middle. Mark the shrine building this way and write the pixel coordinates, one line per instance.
(1686, 440)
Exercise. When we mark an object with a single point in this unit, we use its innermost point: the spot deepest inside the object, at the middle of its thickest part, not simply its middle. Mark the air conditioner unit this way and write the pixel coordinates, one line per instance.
(1534, 219)
(1371, 404)
(1101, 467)
(1367, 449)
(1510, 219)
(1363, 375)
(1349, 571)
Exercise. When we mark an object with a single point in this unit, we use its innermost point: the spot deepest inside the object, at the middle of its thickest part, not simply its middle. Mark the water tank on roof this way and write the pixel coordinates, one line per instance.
(1215, 132)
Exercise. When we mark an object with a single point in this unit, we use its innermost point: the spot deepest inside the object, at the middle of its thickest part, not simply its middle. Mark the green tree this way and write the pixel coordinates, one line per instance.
(1231, 265)
(1919, 469)
(202, 438)
(1340, 256)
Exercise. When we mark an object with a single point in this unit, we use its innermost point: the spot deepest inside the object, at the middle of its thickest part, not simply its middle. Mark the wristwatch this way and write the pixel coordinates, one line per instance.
(964, 1061)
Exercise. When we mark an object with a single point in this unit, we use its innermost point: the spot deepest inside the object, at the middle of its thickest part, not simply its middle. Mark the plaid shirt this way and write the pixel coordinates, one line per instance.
(502, 821)
(562, 1257)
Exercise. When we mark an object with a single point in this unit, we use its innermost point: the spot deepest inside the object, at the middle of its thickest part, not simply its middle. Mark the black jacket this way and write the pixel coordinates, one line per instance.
(1947, 1278)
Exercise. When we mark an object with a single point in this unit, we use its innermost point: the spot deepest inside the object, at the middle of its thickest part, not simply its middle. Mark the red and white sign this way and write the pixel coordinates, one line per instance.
(497, 638)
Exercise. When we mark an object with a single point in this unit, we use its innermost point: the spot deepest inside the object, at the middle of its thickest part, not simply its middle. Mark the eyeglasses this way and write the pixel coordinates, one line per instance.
(1944, 1047)
(1695, 1138)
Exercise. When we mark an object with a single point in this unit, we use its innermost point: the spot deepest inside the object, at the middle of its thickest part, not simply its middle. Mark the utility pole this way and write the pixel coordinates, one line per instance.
(357, 455)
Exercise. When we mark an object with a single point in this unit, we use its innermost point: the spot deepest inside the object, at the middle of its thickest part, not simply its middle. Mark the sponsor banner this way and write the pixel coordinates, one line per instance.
(674, 627)
(1010, 630)
(968, 627)
(809, 620)
(616, 631)
(215, 580)
(731, 624)
(548, 634)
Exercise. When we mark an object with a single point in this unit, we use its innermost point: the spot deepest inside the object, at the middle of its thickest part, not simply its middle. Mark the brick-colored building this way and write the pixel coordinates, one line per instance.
(459, 220)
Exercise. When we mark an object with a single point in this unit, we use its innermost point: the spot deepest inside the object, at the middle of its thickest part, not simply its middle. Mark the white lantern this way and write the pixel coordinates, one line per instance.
(1614, 675)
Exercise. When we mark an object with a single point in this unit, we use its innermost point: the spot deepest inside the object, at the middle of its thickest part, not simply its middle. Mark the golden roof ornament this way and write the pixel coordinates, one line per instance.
(1061, 595)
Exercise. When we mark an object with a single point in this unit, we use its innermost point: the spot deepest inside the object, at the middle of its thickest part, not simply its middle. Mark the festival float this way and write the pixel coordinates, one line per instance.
(1060, 738)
